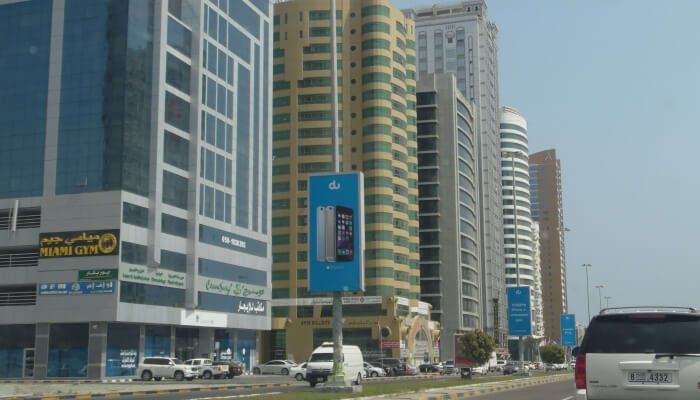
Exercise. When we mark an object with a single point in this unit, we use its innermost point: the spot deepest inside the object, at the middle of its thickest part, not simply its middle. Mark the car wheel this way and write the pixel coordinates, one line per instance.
(207, 375)
(146, 375)
(285, 371)
(299, 377)
(179, 375)
(358, 382)
(374, 374)
(256, 371)
(312, 382)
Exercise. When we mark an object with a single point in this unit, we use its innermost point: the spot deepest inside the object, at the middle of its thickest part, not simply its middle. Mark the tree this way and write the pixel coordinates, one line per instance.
(477, 346)
(552, 353)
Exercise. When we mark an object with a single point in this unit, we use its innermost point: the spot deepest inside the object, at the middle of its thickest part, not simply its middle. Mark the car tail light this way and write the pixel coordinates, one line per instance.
(580, 371)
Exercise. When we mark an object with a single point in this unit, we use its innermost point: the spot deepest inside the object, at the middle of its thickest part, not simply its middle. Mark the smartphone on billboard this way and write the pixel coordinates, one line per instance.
(321, 233)
(330, 233)
(345, 234)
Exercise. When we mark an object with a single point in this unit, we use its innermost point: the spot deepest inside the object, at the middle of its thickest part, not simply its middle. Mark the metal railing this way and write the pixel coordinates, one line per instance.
(19, 257)
(18, 298)
(26, 218)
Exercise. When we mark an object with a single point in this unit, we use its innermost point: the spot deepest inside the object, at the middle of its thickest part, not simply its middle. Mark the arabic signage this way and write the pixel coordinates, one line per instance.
(519, 323)
(246, 306)
(76, 288)
(326, 301)
(128, 358)
(390, 344)
(230, 288)
(568, 330)
(152, 276)
(79, 243)
(98, 274)
(336, 232)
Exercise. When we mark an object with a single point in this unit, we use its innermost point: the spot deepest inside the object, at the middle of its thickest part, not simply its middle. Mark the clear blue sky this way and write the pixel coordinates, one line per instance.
(613, 86)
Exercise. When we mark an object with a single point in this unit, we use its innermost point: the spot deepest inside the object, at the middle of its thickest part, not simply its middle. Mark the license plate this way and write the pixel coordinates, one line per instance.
(650, 377)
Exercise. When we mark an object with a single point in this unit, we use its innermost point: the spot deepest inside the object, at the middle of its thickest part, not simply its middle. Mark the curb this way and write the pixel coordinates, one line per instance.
(146, 392)
(501, 388)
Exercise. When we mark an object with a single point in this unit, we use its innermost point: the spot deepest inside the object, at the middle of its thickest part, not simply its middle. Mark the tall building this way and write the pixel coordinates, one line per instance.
(537, 310)
(517, 219)
(376, 68)
(548, 211)
(458, 38)
(447, 198)
(134, 183)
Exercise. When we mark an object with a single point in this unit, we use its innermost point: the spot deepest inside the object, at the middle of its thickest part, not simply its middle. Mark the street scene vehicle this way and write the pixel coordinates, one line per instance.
(235, 368)
(373, 371)
(320, 364)
(298, 372)
(206, 369)
(277, 367)
(640, 353)
(165, 367)
(388, 364)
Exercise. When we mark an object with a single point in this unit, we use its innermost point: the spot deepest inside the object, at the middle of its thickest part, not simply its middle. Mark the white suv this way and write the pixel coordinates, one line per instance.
(640, 353)
(205, 368)
(165, 367)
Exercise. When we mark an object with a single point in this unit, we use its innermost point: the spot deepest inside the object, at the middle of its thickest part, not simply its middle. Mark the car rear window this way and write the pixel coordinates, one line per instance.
(643, 333)
(321, 357)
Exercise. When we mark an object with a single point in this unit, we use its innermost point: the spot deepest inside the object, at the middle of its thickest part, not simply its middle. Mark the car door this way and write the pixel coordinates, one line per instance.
(269, 367)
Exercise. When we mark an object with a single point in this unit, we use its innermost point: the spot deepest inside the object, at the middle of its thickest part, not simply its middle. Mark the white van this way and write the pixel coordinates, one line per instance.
(320, 364)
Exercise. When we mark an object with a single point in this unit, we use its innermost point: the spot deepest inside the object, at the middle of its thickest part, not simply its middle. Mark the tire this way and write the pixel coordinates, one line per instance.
(207, 375)
(313, 382)
(146, 375)
(374, 374)
(256, 371)
(299, 377)
(358, 381)
(285, 371)
(158, 378)
(179, 376)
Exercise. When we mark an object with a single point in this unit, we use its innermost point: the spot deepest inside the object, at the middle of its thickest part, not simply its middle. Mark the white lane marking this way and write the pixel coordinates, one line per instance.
(238, 396)
(568, 398)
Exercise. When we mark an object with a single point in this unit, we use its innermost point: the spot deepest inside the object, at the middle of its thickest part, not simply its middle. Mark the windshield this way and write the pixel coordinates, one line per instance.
(177, 361)
(651, 333)
(321, 357)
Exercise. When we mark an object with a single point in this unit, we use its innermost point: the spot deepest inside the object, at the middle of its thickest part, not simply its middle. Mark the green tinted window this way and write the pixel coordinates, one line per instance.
(280, 257)
(399, 58)
(316, 65)
(378, 199)
(379, 254)
(280, 239)
(280, 101)
(378, 218)
(376, 44)
(386, 236)
(281, 275)
(280, 204)
(318, 15)
(376, 112)
(280, 135)
(280, 169)
(308, 133)
(278, 69)
(376, 27)
(280, 187)
(315, 150)
(378, 181)
(376, 146)
(376, 94)
(277, 53)
(321, 98)
(280, 152)
(306, 168)
(376, 60)
(376, 77)
(281, 85)
(315, 48)
(399, 74)
(376, 129)
(375, 10)
(281, 118)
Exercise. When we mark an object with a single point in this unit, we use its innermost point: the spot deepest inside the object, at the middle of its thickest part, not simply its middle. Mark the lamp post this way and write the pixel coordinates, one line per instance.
(607, 301)
(600, 295)
(588, 292)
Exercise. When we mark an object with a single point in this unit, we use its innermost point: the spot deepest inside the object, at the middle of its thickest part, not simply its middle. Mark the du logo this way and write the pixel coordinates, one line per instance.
(334, 185)
(518, 291)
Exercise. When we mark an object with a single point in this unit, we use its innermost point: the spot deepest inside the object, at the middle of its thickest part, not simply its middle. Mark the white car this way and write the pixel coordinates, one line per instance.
(205, 368)
(481, 370)
(298, 372)
(165, 367)
(372, 371)
(320, 365)
(640, 353)
(278, 367)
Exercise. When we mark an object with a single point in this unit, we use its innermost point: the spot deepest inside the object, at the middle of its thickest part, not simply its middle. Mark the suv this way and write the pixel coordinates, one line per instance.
(165, 367)
(390, 365)
(206, 369)
(640, 353)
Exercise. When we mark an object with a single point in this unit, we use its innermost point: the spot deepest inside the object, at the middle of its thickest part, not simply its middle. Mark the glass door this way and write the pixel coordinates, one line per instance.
(28, 358)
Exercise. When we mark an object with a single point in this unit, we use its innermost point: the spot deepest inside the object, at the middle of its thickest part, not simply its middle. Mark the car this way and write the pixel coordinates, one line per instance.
(389, 364)
(480, 370)
(640, 353)
(207, 369)
(448, 368)
(298, 372)
(320, 364)
(411, 370)
(277, 367)
(372, 371)
(500, 364)
(235, 368)
(165, 367)
(427, 368)
(514, 367)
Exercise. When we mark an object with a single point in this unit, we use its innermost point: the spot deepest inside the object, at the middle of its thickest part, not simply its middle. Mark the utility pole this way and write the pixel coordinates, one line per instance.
(600, 294)
(607, 301)
(588, 293)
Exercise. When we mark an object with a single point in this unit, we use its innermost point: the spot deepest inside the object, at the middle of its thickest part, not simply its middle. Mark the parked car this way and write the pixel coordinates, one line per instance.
(512, 367)
(235, 368)
(372, 371)
(500, 364)
(388, 364)
(480, 370)
(640, 353)
(298, 372)
(165, 367)
(277, 367)
(430, 368)
(320, 364)
(448, 368)
(207, 369)
(411, 370)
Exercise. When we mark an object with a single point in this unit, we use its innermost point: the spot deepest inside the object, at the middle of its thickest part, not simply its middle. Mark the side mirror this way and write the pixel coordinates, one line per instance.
(574, 351)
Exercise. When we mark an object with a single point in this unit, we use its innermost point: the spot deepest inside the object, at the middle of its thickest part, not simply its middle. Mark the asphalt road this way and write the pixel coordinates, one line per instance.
(552, 391)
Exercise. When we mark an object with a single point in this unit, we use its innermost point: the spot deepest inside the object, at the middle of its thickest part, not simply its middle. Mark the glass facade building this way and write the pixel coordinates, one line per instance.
(135, 178)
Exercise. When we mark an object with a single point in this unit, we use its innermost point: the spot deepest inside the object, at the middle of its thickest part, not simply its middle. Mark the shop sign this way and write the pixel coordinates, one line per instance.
(152, 276)
(128, 358)
(326, 301)
(76, 288)
(98, 274)
(420, 347)
(402, 301)
(250, 307)
(390, 344)
(230, 288)
(79, 243)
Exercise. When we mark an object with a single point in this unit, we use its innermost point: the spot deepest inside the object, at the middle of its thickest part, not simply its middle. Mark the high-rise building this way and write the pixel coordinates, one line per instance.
(518, 247)
(548, 211)
(537, 311)
(377, 121)
(448, 207)
(458, 38)
(134, 183)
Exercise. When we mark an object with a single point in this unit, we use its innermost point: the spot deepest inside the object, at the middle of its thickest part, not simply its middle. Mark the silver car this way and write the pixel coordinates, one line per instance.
(277, 367)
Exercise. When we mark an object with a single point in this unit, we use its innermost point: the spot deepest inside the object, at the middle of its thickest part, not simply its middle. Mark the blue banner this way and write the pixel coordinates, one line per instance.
(568, 330)
(71, 288)
(336, 233)
(519, 321)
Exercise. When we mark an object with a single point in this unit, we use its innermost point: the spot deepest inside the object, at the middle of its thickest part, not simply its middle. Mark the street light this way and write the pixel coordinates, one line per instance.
(588, 292)
(600, 294)
(607, 301)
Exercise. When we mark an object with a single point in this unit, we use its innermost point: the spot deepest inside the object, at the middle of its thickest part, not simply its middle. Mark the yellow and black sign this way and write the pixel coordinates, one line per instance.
(79, 244)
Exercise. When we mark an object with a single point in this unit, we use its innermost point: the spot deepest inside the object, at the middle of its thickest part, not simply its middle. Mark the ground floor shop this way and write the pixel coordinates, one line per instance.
(381, 326)
(105, 349)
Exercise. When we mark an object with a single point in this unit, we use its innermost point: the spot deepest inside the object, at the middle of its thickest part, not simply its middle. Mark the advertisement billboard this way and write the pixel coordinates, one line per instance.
(519, 321)
(568, 330)
(336, 232)
(79, 243)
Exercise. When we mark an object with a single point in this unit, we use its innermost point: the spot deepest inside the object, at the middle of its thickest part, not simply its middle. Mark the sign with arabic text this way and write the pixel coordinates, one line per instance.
(97, 274)
(79, 243)
(76, 288)
(152, 276)
(230, 288)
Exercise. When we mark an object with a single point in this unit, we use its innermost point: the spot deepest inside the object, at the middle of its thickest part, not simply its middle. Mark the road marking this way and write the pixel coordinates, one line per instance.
(568, 398)
(239, 396)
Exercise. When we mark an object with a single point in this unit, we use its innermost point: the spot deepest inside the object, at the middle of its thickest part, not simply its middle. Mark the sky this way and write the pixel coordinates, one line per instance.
(613, 86)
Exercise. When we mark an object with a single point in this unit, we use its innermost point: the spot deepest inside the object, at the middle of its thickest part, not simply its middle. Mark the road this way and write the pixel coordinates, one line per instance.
(553, 391)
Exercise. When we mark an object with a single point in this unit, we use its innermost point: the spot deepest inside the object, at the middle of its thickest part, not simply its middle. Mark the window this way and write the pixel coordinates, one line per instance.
(177, 73)
(175, 190)
(174, 225)
(177, 112)
(375, 10)
(179, 37)
(134, 253)
(176, 150)
(371, 61)
(375, 27)
(376, 44)
(376, 77)
(134, 215)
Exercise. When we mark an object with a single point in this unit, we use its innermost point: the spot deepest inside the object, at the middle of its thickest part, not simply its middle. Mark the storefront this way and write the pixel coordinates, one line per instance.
(17, 351)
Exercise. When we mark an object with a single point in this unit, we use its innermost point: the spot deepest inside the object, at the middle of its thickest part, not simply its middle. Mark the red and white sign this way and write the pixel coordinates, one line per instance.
(390, 344)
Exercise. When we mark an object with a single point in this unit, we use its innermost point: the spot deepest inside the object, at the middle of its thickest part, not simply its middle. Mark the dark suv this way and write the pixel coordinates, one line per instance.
(390, 365)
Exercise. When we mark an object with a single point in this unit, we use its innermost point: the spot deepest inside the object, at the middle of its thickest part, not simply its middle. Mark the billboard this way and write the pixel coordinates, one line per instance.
(336, 232)
(519, 321)
(568, 330)
(74, 288)
(79, 243)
